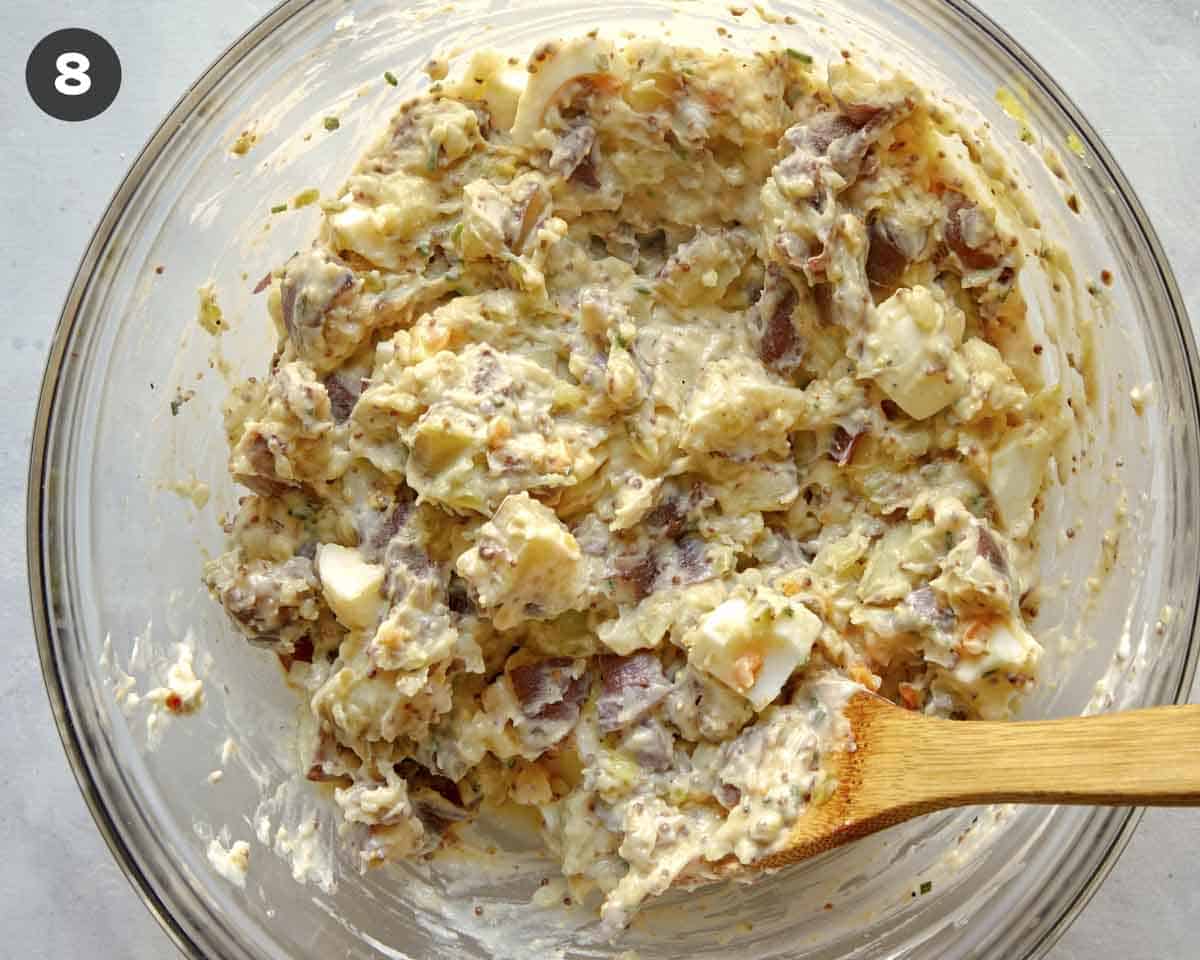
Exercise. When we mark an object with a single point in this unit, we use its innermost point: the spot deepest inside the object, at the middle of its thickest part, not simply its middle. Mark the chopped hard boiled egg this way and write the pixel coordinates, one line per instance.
(912, 351)
(551, 68)
(1007, 646)
(526, 565)
(1018, 468)
(1007, 660)
(352, 587)
(491, 79)
(380, 220)
(754, 646)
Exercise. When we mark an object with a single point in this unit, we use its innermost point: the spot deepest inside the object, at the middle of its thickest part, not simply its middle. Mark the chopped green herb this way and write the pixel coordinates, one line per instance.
(644, 291)
(926, 887)
(456, 233)
(423, 248)
(432, 163)
(332, 123)
(620, 341)
(798, 55)
(390, 77)
(305, 197)
(279, 208)
(181, 397)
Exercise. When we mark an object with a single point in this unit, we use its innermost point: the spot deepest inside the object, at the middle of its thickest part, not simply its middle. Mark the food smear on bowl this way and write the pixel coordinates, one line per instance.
(630, 408)
(231, 861)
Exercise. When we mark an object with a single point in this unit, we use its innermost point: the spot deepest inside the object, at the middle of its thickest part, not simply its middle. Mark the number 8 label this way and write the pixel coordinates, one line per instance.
(72, 74)
(72, 79)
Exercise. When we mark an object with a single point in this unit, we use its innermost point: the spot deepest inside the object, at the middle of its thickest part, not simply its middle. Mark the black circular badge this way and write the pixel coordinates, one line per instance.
(73, 74)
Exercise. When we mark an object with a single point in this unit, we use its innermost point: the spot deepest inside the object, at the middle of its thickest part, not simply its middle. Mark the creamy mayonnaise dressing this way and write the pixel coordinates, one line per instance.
(628, 411)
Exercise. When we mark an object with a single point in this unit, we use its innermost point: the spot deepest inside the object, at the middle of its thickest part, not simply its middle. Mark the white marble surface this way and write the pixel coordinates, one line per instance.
(1132, 65)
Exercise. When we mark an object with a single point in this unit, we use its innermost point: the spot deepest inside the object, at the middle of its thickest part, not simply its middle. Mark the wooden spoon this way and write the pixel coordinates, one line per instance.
(906, 764)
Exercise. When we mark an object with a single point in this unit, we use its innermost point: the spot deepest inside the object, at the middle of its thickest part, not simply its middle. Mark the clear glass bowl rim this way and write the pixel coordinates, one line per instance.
(192, 99)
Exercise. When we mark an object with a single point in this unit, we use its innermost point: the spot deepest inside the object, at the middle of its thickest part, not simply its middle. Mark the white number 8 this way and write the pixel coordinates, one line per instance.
(72, 79)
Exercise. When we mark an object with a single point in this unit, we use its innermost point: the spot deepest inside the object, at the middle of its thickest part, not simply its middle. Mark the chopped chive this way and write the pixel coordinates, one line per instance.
(432, 162)
(390, 77)
(279, 208)
(926, 887)
(456, 233)
(798, 55)
(332, 123)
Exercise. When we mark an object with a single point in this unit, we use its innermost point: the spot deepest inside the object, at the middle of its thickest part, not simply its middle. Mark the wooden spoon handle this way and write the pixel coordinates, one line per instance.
(904, 764)
(1142, 757)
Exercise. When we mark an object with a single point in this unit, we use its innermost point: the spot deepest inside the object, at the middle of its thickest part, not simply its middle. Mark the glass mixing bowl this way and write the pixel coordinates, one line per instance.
(129, 432)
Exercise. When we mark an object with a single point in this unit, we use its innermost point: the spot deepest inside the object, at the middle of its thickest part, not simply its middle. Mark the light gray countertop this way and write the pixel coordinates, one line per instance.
(1133, 66)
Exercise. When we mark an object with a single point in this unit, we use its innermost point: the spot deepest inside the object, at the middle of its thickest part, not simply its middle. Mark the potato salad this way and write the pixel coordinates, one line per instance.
(633, 404)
